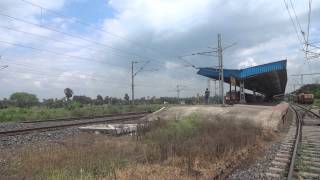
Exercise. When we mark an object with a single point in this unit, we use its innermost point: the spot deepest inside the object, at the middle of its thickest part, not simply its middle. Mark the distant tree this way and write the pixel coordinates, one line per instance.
(107, 100)
(23, 99)
(99, 97)
(82, 99)
(115, 100)
(5, 103)
(49, 103)
(68, 92)
(99, 100)
(126, 97)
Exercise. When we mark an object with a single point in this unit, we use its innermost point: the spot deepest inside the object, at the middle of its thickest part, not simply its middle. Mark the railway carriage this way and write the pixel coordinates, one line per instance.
(304, 98)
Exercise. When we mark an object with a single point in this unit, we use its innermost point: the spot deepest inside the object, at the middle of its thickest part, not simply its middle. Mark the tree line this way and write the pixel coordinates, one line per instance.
(26, 100)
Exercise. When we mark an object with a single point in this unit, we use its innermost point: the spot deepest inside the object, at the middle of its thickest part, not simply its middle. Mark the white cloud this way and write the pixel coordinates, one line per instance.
(249, 62)
(172, 65)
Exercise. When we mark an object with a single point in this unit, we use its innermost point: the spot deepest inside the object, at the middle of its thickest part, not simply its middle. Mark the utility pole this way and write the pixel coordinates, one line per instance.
(132, 82)
(215, 88)
(133, 74)
(219, 53)
(221, 68)
(178, 92)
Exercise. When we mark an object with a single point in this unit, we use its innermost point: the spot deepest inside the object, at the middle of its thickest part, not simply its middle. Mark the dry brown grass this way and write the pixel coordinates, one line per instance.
(184, 149)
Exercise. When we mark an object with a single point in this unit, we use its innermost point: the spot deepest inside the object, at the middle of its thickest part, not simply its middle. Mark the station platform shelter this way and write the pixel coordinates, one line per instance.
(267, 79)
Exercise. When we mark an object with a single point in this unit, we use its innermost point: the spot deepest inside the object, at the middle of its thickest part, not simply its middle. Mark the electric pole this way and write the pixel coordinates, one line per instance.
(221, 68)
(218, 53)
(178, 92)
(133, 74)
(132, 81)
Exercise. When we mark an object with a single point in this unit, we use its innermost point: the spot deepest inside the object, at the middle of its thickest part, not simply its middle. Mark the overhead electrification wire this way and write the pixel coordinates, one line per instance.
(75, 36)
(87, 24)
(31, 68)
(27, 68)
(59, 41)
(77, 20)
(292, 21)
(296, 17)
(57, 53)
(41, 74)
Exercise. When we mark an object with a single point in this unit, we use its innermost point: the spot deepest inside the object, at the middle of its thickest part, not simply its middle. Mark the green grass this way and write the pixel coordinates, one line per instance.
(15, 114)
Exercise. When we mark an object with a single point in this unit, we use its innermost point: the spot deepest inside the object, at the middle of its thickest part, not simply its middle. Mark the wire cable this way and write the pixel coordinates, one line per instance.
(58, 40)
(74, 36)
(292, 21)
(86, 24)
(57, 53)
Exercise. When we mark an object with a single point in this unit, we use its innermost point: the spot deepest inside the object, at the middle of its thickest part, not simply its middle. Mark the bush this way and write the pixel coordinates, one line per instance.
(22, 99)
(195, 137)
(73, 105)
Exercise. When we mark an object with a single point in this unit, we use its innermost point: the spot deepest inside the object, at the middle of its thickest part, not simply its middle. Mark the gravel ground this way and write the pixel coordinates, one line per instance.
(35, 137)
(16, 126)
(258, 168)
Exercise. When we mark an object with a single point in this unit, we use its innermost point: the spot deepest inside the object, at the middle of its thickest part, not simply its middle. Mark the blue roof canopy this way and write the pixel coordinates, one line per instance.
(269, 79)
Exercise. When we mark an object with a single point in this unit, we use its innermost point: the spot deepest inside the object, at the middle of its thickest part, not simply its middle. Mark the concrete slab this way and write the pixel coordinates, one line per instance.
(113, 129)
(266, 116)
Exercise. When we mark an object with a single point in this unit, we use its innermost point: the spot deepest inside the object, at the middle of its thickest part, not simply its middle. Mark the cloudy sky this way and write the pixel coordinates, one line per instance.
(88, 45)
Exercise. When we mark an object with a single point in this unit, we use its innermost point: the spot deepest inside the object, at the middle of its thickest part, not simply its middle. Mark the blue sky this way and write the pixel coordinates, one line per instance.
(96, 59)
(84, 10)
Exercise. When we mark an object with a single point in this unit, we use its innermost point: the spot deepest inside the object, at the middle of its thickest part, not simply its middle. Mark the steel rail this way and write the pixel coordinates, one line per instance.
(297, 140)
(313, 113)
(54, 127)
(84, 117)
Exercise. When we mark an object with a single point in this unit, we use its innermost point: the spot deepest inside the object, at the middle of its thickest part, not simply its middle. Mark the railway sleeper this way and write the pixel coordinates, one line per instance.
(286, 146)
(280, 159)
(285, 151)
(311, 149)
(279, 164)
(310, 144)
(276, 170)
(307, 175)
(283, 155)
(273, 176)
(313, 138)
(311, 163)
(317, 153)
(312, 159)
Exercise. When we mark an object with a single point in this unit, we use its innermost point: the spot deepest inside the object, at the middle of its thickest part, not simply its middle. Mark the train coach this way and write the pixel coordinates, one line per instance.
(304, 98)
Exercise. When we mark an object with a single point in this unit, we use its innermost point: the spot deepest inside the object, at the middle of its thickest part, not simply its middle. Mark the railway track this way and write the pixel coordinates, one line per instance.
(49, 125)
(299, 154)
(81, 118)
